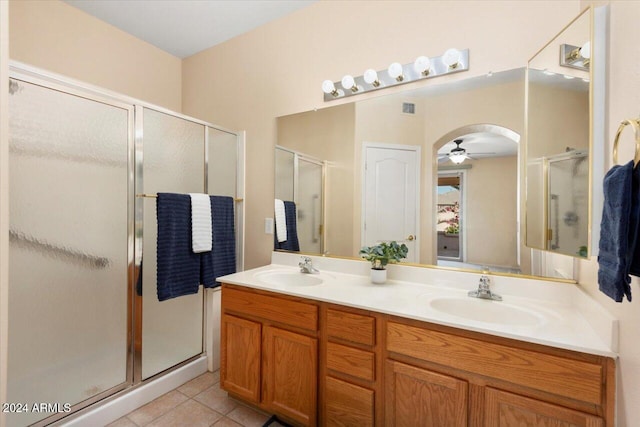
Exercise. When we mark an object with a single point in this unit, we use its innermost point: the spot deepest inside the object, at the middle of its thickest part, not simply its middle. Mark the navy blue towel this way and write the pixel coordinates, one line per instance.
(617, 232)
(222, 258)
(178, 268)
(634, 268)
(291, 244)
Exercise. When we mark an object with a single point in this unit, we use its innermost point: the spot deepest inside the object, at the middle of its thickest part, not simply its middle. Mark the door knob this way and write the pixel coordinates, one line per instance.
(411, 237)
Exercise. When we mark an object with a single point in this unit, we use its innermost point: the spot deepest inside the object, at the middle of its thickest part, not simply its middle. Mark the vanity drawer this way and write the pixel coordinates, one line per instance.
(352, 327)
(566, 377)
(351, 361)
(348, 404)
(279, 310)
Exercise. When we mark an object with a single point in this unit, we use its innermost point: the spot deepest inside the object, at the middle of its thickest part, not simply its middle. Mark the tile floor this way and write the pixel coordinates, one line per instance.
(199, 402)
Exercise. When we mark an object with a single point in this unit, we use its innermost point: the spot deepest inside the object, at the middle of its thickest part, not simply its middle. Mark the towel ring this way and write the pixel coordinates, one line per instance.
(636, 129)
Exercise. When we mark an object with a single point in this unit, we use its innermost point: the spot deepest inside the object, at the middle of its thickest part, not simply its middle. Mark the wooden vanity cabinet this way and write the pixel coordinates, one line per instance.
(493, 381)
(313, 363)
(269, 352)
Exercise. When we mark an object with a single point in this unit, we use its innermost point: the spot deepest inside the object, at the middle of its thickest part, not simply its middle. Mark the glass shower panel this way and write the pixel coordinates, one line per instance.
(309, 206)
(69, 248)
(285, 174)
(568, 206)
(173, 162)
(223, 162)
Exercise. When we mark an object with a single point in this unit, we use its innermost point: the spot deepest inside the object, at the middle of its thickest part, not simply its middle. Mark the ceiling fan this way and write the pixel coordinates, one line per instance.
(458, 154)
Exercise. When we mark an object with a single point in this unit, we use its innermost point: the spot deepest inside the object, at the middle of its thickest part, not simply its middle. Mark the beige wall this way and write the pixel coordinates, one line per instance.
(491, 211)
(4, 198)
(558, 118)
(62, 39)
(278, 68)
(623, 92)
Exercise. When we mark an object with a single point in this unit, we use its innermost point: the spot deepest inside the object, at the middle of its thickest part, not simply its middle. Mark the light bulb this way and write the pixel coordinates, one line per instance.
(349, 83)
(329, 87)
(457, 158)
(451, 58)
(422, 65)
(395, 71)
(371, 77)
(585, 50)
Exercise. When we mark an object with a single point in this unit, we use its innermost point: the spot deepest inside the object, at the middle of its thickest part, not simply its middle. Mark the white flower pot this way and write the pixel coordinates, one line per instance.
(378, 276)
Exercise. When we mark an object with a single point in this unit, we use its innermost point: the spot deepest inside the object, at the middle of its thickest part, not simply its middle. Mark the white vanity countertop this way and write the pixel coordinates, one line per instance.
(543, 312)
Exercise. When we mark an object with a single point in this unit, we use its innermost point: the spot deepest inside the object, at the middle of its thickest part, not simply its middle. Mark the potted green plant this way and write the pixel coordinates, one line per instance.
(382, 254)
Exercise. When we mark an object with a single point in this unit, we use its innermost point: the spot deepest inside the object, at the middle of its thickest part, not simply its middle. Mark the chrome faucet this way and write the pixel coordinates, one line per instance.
(484, 290)
(306, 266)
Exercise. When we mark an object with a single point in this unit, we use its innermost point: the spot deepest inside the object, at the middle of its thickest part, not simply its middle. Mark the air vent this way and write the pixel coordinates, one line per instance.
(408, 108)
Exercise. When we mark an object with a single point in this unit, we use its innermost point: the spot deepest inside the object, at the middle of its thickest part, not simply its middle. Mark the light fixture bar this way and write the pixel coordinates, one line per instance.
(573, 57)
(438, 67)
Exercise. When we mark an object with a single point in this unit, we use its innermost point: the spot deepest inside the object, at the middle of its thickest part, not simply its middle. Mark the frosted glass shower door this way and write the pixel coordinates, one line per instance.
(285, 173)
(223, 163)
(69, 248)
(309, 201)
(173, 162)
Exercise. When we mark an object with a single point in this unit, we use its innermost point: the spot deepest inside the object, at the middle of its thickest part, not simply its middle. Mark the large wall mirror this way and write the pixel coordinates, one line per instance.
(393, 169)
(562, 80)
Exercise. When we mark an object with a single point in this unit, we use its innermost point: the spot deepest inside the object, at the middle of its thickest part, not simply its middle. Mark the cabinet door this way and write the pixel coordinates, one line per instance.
(290, 369)
(418, 397)
(240, 357)
(505, 410)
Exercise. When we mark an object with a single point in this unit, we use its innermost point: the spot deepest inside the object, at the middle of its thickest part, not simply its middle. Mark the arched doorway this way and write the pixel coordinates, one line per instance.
(477, 198)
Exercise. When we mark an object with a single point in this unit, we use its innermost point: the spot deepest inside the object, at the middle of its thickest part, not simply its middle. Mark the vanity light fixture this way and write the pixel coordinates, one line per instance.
(424, 67)
(348, 82)
(451, 58)
(576, 56)
(330, 89)
(371, 77)
(395, 72)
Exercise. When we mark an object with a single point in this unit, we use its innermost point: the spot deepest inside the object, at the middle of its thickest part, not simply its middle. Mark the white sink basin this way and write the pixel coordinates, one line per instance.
(288, 278)
(487, 311)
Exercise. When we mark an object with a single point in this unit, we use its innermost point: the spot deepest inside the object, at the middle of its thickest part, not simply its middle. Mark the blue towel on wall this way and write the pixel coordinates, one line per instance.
(634, 268)
(618, 230)
(178, 268)
(222, 258)
(291, 244)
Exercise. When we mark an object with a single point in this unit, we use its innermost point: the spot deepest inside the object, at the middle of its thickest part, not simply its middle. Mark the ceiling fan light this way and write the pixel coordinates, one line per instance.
(457, 158)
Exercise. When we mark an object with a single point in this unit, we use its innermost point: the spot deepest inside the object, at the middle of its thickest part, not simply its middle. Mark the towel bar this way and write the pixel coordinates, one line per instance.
(155, 196)
(636, 129)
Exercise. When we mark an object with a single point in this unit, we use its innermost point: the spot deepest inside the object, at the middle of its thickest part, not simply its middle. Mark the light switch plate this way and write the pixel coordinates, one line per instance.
(268, 226)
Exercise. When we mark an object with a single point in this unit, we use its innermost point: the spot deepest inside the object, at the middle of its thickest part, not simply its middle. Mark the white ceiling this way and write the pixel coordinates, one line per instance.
(185, 27)
(480, 145)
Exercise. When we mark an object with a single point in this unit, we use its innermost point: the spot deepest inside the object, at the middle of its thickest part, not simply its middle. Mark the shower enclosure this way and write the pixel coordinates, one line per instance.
(84, 319)
(300, 178)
